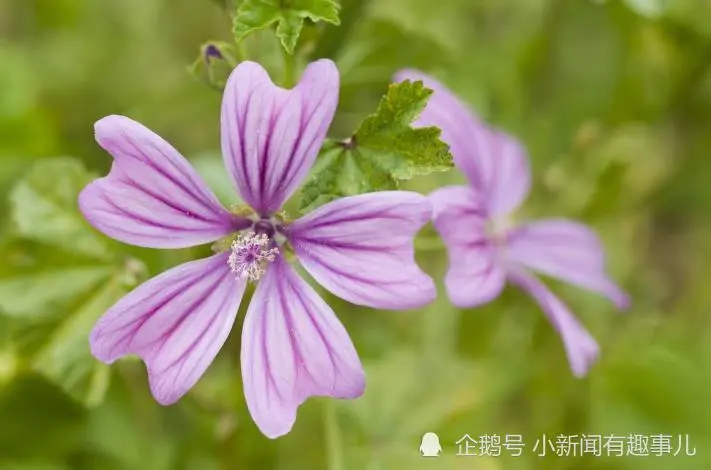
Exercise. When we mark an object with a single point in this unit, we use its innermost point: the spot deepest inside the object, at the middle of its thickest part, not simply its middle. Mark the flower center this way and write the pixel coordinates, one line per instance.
(250, 253)
(497, 230)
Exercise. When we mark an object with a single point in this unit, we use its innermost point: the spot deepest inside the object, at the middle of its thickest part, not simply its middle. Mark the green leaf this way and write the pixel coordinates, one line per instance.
(649, 8)
(138, 440)
(384, 149)
(38, 294)
(253, 15)
(42, 421)
(438, 392)
(65, 357)
(44, 207)
(33, 466)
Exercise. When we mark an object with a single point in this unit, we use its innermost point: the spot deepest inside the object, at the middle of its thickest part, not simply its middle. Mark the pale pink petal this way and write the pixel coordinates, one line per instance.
(361, 249)
(293, 347)
(581, 348)
(567, 250)
(271, 136)
(176, 322)
(476, 275)
(494, 163)
(152, 197)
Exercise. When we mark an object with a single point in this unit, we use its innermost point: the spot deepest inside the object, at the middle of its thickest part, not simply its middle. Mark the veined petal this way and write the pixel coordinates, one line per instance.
(361, 249)
(152, 197)
(476, 275)
(271, 136)
(176, 322)
(566, 250)
(293, 347)
(581, 348)
(494, 163)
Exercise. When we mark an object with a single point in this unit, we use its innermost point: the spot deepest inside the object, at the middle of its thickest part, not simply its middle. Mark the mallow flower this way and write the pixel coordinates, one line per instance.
(486, 249)
(293, 346)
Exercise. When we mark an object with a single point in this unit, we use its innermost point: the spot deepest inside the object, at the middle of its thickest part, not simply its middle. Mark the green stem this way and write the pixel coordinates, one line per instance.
(289, 69)
(375, 464)
(542, 56)
(242, 51)
(334, 439)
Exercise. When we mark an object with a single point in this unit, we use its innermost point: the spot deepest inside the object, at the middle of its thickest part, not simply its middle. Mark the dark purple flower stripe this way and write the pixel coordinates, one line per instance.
(290, 177)
(176, 323)
(293, 347)
(361, 248)
(164, 169)
(271, 135)
(152, 197)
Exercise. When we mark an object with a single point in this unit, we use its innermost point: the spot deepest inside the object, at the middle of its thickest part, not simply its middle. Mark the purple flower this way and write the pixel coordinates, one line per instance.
(293, 346)
(485, 250)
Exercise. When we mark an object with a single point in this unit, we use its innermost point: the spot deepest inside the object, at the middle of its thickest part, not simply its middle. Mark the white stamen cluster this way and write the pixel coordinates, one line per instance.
(250, 253)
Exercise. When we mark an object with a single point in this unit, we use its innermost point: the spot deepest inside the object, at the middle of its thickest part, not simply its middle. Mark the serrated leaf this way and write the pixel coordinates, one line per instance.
(44, 207)
(65, 356)
(289, 16)
(384, 149)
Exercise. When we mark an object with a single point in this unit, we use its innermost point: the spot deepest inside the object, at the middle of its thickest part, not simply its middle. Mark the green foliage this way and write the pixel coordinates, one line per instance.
(39, 421)
(44, 208)
(384, 149)
(65, 358)
(289, 15)
(39, 293)
(61, 302)
(214, 64)
(211, 167)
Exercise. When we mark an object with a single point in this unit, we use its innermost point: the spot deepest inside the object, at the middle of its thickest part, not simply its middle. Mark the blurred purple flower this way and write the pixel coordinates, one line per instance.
(293, 346)
(484, 250)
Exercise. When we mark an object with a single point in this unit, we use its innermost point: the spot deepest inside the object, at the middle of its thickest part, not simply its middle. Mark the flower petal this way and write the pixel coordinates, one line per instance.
(361, 249)
(271, 136)
(581, 348)
(476, 275)
(567, 250)
(152, 197)
(494, 163)
(293, 347)
(176, 322)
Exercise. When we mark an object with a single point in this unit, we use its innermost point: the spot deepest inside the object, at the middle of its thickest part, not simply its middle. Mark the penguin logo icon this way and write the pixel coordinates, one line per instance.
(430, 446)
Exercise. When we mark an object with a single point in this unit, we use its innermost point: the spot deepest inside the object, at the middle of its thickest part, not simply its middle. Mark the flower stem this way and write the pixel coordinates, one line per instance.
(242, 51)
(334, 439)
(289, 69)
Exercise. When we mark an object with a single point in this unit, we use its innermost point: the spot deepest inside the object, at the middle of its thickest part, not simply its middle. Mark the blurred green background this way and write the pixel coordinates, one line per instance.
(612, 99)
